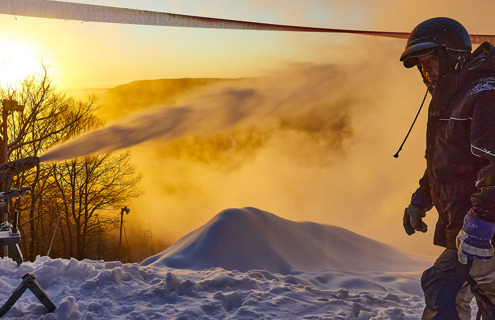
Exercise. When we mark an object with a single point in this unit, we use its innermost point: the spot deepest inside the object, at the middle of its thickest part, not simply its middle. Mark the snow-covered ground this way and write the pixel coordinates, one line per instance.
(243, 264)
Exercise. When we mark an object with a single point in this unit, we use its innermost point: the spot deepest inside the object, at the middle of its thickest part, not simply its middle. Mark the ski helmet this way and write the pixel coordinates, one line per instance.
(434, 33)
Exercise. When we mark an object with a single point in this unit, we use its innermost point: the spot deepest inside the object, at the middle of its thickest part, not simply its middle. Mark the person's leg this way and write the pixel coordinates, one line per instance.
(463, 302)
(483, 273)
(483, 283)
(441, 284)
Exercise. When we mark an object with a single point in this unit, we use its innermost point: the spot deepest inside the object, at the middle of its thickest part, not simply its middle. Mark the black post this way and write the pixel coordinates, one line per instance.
(126, 210)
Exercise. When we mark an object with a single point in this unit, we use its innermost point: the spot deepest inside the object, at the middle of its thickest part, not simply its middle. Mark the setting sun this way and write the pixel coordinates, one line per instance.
(17, 61)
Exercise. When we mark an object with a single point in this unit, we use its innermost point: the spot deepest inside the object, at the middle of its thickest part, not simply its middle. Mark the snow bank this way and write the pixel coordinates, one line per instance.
(252, 239)
(284, 270)
(112, 290)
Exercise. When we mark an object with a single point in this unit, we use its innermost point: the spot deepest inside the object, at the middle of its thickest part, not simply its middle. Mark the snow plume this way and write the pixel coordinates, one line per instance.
(317, 144)
(313, 143)
(242, 104)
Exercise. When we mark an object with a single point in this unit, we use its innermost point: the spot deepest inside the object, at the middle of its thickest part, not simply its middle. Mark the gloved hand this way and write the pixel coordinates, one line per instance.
(474, 240)
(413, 220)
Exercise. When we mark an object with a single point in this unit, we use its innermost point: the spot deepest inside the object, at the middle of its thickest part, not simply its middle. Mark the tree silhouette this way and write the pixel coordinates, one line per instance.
(66, 213)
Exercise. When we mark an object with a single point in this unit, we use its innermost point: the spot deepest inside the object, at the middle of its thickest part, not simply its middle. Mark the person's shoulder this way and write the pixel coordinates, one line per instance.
(482, 61)
(484, 49)
(478, 74)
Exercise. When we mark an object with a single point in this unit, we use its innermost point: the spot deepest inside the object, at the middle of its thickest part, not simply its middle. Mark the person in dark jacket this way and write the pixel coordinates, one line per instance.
(459, 180)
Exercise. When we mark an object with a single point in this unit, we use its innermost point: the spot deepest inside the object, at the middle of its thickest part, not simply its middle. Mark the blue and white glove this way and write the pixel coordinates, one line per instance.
(474, 240)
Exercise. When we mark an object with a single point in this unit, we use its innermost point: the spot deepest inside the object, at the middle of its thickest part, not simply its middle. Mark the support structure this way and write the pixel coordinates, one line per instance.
(28, 282)
(8, 106)
(10, 235)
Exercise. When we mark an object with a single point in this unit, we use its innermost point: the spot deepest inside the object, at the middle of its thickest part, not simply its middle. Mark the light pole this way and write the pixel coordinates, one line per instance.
(8, 105)
(126, 210)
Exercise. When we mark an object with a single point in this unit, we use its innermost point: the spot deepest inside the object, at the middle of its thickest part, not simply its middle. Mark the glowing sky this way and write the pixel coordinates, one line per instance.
(102, 55)
(368, 180)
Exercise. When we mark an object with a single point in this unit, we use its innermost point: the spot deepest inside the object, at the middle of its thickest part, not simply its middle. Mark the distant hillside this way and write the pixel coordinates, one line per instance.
(145, 93)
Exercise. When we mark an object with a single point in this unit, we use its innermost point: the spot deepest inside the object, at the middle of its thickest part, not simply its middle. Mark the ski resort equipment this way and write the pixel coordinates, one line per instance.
(28, 282)
(13, 168)
(10, 235)
(97, 13)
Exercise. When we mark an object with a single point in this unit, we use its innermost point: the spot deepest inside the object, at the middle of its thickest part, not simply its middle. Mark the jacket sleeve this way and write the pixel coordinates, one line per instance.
(421, 198)
(483, 145)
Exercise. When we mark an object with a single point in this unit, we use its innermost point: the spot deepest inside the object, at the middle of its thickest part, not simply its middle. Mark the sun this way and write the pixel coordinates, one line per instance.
(17, 61)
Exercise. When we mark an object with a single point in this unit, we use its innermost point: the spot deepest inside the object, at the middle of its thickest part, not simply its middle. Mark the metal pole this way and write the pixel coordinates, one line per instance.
(4, 159)
(7, 105)
(126, 210)
(120, 239)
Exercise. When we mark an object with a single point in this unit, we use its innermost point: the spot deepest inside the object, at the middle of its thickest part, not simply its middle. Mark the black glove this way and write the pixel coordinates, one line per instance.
(413, 220)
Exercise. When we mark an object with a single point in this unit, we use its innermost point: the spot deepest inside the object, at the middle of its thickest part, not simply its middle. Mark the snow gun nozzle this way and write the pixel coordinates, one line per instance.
(15, 167)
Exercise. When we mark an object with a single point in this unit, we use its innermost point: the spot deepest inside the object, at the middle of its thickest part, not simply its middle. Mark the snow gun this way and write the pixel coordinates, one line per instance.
(9, 234)
(13, 168)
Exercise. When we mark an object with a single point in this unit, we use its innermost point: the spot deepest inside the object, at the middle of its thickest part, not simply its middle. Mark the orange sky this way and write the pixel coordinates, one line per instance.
(93, 55)
(365, 190)
(102, 55)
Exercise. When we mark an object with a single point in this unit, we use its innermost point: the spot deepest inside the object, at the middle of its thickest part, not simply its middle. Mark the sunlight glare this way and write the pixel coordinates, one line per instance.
(17, 61)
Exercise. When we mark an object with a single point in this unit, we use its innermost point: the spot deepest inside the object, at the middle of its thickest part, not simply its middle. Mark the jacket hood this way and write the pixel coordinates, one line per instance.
(483, 59)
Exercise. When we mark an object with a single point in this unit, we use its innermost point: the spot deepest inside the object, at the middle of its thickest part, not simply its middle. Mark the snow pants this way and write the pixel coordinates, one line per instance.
(483, 273)
(447, 294)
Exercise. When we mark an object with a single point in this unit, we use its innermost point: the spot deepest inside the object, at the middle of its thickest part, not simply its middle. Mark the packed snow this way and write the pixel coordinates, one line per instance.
(249, 239)
(243, 264)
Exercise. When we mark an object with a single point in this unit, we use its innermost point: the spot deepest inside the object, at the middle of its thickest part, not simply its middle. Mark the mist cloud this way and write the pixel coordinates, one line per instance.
(298, 98)
(311, 142)
(319, 147)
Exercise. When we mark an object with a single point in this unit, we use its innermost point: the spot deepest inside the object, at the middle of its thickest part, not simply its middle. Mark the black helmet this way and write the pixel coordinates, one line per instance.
(434, 33)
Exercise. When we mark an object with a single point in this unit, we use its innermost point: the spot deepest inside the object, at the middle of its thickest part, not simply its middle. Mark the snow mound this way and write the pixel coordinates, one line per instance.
(252, 239)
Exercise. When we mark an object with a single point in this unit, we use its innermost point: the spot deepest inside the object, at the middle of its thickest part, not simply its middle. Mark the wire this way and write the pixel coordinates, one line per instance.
(412, 125)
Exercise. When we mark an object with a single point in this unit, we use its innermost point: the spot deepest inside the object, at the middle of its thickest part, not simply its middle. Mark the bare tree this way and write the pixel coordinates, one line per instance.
(68, 199)
(90, 188)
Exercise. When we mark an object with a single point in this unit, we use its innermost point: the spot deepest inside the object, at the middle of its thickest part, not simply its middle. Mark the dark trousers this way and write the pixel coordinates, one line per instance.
(441, 284)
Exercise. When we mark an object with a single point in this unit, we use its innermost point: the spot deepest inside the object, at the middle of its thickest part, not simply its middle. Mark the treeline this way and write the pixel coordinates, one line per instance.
(74, 205)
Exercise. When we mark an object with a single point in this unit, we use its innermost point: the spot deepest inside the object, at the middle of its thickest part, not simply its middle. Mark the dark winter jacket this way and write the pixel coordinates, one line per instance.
(460, 146)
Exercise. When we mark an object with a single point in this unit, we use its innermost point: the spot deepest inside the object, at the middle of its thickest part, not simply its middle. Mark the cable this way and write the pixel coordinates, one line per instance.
(412, 125)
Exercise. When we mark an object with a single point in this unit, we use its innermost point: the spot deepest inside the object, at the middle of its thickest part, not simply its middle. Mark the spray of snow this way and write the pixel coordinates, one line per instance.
(215, 108)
